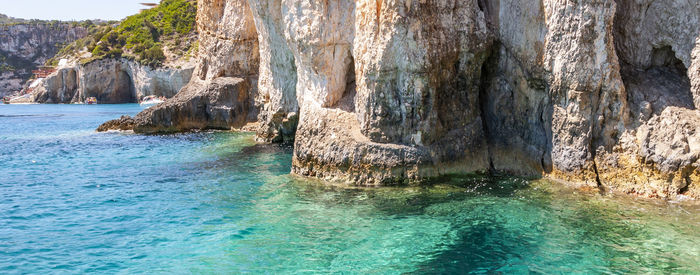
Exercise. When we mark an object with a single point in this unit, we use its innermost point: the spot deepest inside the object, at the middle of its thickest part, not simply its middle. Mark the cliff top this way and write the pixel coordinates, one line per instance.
(11, 21)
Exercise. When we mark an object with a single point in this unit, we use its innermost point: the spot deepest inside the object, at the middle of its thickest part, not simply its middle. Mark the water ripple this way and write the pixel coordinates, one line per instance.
(76, 201)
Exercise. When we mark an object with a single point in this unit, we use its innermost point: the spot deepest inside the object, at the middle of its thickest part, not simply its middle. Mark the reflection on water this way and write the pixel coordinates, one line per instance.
(77, 201)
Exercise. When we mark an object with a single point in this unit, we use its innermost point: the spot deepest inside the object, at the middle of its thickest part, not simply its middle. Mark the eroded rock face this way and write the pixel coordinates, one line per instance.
(694, 74)
(23, 47)
(277, 78)
(375, 92)
(645, 25)
(108, 82)
(111, 81)
(585, 86)
(221, 94)
(514, 99)
(548, 96)
(61, 87)
(655, 41)
(228, 45)
(416, 73)
(227, 39)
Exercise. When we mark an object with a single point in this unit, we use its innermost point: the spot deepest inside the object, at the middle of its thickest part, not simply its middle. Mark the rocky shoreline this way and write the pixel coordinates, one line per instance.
(599, 93)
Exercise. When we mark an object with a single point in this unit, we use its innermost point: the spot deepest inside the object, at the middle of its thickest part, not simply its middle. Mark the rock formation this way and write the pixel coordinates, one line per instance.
(221, 93)
(277, 78)
(221, 103)
(111, 81)
(694, 74)
(600, 92)
(24, 46)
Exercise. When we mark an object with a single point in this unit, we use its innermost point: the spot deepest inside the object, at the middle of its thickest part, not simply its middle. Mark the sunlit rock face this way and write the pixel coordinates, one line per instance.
(25, 46)
(111, 81)
(277, 76)
(694, 73)
(375, 92)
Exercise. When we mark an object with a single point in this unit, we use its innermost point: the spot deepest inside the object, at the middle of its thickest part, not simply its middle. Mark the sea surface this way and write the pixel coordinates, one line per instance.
(76, 201)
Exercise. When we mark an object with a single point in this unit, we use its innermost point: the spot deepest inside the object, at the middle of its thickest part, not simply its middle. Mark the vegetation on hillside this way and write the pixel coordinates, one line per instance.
(141, 37)
(4, 66)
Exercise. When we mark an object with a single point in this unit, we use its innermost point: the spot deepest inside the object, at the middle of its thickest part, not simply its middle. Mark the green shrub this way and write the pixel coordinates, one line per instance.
(153, 57)
(114, 53)
(139, 37)
(99, 50)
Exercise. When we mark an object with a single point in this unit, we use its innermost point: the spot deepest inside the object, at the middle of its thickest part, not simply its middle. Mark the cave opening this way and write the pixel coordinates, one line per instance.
(347, 101)
(661, 84)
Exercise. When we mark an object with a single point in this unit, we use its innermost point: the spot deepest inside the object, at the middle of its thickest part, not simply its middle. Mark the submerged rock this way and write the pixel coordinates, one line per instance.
(124, 123)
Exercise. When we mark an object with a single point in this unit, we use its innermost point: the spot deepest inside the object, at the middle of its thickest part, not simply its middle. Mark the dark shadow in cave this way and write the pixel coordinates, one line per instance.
(664, 84)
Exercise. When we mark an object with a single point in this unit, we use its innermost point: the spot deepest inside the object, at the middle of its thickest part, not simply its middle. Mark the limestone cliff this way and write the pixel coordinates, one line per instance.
(149, 53)
(26, 45)
(111, 81)
(599, 92)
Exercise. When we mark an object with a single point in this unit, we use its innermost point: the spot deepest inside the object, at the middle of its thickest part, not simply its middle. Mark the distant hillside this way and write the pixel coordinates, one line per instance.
(4, 19)
(29, 44)
(150, 37)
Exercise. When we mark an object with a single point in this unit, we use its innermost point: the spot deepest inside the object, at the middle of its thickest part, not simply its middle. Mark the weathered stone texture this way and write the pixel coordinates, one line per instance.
(24, 47)
(513, 97)
(228, 41)
(375, 92)
(111, 81)
(277, 78)
(585, 86)
(694, 74)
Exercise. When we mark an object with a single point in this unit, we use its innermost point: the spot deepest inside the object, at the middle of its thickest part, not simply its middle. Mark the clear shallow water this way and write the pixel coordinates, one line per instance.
(76, 201)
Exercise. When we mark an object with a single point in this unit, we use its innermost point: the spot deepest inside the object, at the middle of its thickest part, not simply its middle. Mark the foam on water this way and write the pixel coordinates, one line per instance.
(76, 201)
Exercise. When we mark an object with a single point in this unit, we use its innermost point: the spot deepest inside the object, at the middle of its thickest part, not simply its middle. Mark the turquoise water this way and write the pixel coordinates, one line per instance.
(76, 201)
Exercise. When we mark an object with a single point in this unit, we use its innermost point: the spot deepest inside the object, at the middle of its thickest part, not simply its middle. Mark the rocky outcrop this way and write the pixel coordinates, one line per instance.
(658, 159)
(595, 92)
(221, 93)
(61, 87)
(415, 88)
(221, 103)
(553, 98)
(111, 81)
(124, 123)
(25, 46)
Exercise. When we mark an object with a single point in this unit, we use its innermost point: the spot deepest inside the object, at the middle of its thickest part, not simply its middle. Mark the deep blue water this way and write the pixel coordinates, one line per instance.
(76, 201)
